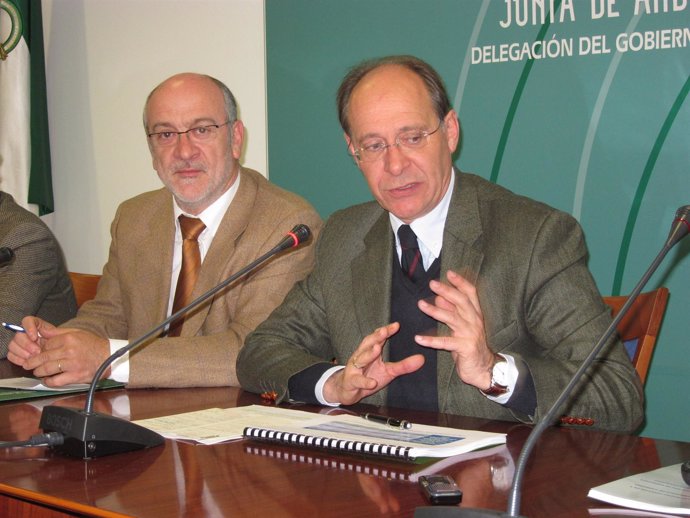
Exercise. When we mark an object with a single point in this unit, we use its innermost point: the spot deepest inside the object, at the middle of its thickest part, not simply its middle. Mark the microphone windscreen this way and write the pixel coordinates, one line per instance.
(680, 226)
(301, 233)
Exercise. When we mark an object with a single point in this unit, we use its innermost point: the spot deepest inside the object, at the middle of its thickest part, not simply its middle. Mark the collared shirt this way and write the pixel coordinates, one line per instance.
(429, 230)
(212, 217)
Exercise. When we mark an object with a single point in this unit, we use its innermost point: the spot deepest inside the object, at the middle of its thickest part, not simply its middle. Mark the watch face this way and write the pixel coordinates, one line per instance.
(500, 373)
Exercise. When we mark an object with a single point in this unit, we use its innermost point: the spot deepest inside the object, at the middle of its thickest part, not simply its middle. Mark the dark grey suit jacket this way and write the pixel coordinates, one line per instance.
(540, 304)
(36, 282)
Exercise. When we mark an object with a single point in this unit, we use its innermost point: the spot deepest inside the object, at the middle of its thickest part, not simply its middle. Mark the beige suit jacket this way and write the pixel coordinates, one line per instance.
(134, 291)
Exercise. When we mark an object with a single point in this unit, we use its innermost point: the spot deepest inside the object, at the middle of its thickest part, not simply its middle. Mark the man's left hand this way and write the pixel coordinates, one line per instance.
(457, 305)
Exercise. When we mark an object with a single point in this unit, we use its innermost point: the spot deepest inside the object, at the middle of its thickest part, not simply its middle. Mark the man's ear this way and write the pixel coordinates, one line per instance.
(452, 130)
(351, 148)
(237, 139)
(348, 141)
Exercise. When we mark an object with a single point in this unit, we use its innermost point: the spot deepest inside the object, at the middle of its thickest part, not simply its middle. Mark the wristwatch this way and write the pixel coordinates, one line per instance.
(499, 377)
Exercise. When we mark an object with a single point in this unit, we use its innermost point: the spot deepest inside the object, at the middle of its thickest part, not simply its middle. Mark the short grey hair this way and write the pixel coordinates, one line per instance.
(228, 99)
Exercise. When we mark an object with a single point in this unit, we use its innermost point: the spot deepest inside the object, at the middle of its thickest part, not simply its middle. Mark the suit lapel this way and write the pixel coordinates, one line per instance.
(460, 253)
(160, 237)
(372, 277)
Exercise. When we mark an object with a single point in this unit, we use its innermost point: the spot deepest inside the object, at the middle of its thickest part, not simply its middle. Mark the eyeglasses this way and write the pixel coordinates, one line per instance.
(198, 135)
(372, 149)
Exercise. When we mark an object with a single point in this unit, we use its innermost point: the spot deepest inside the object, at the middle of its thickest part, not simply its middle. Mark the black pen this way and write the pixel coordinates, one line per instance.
(390, 421)
(13, 327)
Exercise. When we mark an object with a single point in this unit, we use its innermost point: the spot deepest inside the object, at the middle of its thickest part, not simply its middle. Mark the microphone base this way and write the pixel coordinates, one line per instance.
(89, 435)
(458, 512)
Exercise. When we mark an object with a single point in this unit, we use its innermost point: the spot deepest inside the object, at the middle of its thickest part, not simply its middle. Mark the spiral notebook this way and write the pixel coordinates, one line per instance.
(345, 433)
(353, 435)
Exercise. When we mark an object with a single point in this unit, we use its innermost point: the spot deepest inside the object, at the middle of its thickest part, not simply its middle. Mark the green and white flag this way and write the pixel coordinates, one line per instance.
(24, 146)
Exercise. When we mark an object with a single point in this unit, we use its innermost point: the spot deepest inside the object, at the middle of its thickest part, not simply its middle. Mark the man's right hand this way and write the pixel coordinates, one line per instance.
(58, 355)
(366, 372)
(27, 345)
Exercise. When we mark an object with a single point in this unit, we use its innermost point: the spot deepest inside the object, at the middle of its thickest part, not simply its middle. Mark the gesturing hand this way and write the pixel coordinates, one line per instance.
(457, 305)
(365, 372)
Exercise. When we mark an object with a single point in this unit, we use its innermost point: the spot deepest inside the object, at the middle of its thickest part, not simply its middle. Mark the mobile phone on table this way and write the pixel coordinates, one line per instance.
(440, 489)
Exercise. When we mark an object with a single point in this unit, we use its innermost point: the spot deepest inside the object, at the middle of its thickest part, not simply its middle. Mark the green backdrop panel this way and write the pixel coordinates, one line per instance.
(584, 110)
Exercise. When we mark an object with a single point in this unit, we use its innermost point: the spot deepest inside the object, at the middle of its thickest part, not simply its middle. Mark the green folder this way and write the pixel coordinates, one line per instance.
(11, 394)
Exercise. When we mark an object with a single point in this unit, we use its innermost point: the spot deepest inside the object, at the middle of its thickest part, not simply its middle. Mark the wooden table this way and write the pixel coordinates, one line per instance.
(243, 478)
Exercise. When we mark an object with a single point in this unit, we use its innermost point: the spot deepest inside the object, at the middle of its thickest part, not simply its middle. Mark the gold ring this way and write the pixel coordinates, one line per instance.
(60, 367)
(354, 363)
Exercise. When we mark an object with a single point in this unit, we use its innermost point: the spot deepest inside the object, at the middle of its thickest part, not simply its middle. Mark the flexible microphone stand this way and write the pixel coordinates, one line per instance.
(89, 434)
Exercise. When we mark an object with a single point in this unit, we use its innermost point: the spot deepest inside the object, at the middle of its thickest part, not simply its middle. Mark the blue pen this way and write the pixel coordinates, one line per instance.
(13, 327)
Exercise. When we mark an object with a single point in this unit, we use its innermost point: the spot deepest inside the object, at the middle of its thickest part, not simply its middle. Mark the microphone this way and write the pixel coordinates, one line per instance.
(88, 434)
(679, 229)
(299, 234)
(6, 255)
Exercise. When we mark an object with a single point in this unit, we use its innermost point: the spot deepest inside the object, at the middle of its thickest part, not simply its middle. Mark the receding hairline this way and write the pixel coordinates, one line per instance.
(229, 101)
(432, 81)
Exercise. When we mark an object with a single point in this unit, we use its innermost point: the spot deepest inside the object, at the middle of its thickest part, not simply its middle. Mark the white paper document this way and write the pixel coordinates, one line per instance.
(215, 425)
(218, 425)
(661, 490)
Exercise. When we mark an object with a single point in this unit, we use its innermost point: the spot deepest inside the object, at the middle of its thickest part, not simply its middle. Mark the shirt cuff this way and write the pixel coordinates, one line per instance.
(119, 370)
(318, 389)
(512, 374)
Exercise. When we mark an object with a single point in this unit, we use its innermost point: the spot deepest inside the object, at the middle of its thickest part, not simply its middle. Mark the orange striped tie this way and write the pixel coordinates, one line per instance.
(189, 271)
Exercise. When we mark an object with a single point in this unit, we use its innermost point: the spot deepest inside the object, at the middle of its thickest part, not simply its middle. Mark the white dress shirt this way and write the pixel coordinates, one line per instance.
(211, 216)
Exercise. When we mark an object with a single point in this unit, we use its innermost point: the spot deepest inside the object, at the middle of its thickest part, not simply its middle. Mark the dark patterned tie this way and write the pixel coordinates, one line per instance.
(191, 263)
(411, 258)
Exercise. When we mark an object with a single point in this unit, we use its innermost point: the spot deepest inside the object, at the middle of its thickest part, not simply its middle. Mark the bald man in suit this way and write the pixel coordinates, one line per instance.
(195, 141)
(36, 281)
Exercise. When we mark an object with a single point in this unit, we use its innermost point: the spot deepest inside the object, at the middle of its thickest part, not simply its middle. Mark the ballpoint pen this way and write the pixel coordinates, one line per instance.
(13, 327)
(390, 421)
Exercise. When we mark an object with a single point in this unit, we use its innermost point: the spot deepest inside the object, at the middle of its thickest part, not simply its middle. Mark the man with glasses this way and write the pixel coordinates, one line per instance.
(448, 293)
(171, 245)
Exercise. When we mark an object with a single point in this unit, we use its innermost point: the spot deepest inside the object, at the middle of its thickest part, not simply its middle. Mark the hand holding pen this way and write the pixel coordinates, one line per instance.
(58, 355)
(28, 339)
(30, 326)
(28, 347)
(16, 328)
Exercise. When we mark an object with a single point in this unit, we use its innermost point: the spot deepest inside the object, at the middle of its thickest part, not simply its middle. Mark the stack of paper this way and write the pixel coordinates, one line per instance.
(662, 490)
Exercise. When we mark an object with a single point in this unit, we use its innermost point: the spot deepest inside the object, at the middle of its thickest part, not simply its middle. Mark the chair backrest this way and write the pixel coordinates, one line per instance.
(84, 285)
(640, 327)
